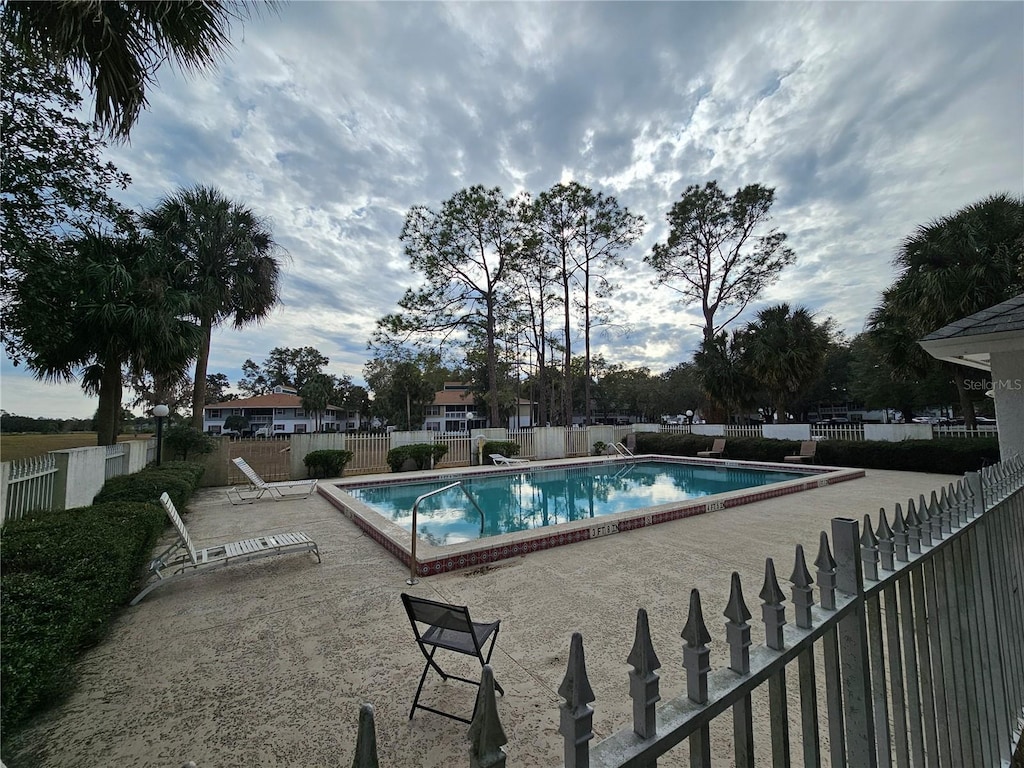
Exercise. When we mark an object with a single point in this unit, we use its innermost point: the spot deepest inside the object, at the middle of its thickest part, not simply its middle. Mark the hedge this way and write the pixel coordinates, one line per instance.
(326, 463)
(420, 453)
(178, 478)
(945, 456)
(64, 574)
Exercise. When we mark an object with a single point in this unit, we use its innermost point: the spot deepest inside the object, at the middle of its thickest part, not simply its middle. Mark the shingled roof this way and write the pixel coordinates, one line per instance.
(971, 340)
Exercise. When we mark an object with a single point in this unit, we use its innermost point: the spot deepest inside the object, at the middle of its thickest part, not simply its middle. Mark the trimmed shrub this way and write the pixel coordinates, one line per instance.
(326, 463)
(420, 454)
(178, 478)
(506, 448)
(181, 440)
(946, 456)
(63, 575)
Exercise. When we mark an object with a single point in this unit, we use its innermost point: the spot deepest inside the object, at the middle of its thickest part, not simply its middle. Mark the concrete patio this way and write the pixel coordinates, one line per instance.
(266, 663)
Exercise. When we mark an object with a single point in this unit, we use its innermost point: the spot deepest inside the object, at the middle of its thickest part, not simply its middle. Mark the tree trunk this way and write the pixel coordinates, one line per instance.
(567, 354)
(966, 404)
(109, 411)
(199, 385)
(586, 341)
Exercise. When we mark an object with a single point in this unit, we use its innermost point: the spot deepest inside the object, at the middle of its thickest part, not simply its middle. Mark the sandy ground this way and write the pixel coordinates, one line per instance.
(266, 663)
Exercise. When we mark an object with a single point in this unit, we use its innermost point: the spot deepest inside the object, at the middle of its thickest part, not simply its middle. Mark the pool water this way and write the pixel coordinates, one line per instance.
(533, 499)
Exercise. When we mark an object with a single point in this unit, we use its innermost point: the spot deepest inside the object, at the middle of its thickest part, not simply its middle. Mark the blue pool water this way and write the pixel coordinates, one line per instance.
(532, 499)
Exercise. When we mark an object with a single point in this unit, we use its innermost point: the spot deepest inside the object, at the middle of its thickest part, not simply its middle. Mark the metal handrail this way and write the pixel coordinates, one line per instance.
(415, 506)
(622, 450)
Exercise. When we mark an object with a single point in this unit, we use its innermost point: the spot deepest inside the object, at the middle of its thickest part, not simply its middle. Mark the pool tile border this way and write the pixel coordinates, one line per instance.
(434, 560)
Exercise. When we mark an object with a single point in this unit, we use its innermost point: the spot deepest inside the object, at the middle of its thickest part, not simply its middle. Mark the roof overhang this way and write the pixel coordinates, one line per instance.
(974, 351)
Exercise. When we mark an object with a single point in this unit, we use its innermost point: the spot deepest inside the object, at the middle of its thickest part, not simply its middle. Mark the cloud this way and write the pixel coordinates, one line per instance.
(334, 119)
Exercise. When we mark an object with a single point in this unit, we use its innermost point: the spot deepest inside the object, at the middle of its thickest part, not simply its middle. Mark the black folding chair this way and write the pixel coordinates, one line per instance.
(449, 627)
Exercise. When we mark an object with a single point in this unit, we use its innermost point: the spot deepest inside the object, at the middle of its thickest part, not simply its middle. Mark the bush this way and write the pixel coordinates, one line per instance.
(420, 453)
(506, 448)
(326, 463)
(182, 440)
(179, 479)
(947, 456)
(63, 575)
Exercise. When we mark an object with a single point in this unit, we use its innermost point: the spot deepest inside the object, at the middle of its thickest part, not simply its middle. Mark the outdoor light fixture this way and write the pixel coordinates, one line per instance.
(160, 411)
(689, 417)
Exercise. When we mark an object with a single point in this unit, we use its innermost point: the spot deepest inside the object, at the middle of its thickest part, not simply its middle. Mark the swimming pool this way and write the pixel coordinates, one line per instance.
(538, 498)
(439, 551)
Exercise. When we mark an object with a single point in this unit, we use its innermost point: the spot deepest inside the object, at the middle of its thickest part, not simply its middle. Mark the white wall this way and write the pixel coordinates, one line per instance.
(787, 431)
(80, 476)
(715, 430)
(1008, 386)
(549, 442)
(894, 433)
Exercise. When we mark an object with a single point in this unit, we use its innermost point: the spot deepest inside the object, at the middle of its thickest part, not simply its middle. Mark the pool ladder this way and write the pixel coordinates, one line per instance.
(415, 507)
(622, 450)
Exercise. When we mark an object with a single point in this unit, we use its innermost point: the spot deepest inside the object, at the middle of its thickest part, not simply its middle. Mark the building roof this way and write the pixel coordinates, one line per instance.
(970, 340)
(454, 397)
(275, 400)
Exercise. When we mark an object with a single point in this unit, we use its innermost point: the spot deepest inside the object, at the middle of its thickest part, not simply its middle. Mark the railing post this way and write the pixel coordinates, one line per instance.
(697, 662)
(366, 739)
(643, 679)
(486, 736)
(853, 641)
(577, 716)
(737, 635)
(976, 495)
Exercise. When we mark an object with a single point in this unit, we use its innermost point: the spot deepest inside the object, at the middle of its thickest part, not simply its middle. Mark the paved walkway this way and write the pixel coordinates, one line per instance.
(266, 663)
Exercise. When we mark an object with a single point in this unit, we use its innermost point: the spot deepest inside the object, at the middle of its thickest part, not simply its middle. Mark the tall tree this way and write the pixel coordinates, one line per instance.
(604, 231)
(401, 389)
(720, 370)
(217, 385)
(283, 366)
(116, 46)
(54, 184)
(467, 254)
(97, 308)
(228, 263)
(784, 351)
(316, 396)
(714, 255)
(949, 268)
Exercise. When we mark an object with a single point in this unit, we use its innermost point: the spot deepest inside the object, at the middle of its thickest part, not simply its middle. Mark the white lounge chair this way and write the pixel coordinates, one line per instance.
(182, 559)
(258, 486)
(497, 458)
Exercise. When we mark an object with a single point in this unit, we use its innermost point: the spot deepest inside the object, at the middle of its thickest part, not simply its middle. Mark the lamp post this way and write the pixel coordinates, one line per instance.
(160, 411)
(689, 418)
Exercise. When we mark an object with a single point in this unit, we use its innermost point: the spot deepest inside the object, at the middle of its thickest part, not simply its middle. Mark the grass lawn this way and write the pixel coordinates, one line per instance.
(33, 444)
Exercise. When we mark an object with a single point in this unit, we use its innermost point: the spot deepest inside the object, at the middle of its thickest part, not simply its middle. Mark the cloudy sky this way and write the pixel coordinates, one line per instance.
(333, 119)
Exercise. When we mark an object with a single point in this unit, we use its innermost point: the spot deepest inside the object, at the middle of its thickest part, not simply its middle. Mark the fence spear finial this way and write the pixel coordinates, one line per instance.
(644, 687)
(826, 566)
(886, 545)
(696, 656)
(900, 534)
(924, 515)
(577, 716)
(869, 550)
(803, 591)
(737, 630)
(773, 612)
(366, 739)
(486, 736)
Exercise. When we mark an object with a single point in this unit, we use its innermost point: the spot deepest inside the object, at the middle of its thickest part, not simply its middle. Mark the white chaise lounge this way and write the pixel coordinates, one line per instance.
(258, 486)
(497, 458)
(182, 559)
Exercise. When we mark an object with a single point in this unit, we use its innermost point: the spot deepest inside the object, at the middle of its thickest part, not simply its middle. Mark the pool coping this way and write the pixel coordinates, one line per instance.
(431, 559)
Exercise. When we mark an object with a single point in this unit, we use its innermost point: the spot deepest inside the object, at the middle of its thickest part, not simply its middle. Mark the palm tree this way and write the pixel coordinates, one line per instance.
(227, 261)
(116, 46)
(784, 352)
(100, 307)
(950, 268)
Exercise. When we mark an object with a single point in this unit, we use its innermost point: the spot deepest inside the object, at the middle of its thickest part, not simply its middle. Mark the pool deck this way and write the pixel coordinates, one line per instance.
(266, 663)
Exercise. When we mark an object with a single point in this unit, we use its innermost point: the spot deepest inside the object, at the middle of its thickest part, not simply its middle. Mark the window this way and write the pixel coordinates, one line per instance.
(280, 411)
(457, 408)
(213, 413)
(300, 414)
(300, 429)
(433, 410)
(279, 427)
